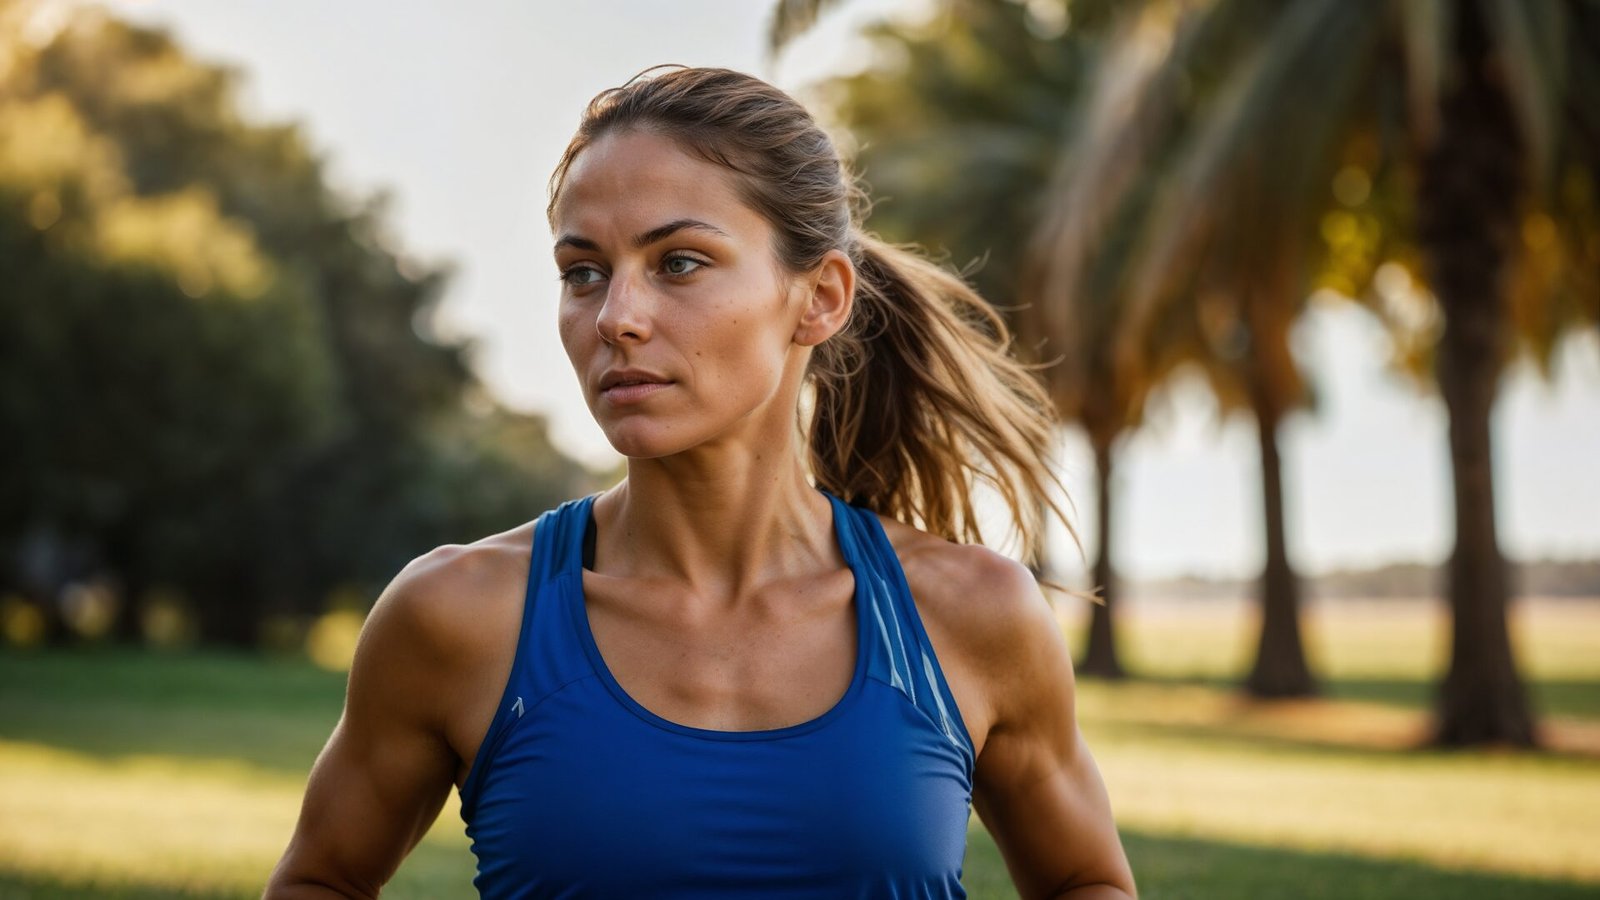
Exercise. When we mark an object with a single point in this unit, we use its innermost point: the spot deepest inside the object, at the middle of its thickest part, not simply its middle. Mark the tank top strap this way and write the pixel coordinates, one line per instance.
(901, 655)
(557, 535)
(547, 658)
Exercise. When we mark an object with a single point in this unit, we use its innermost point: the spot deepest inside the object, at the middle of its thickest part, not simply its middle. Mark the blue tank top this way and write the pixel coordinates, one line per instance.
(578, 791)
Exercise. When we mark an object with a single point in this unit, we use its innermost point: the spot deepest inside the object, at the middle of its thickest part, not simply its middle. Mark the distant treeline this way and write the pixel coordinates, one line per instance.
(1535, 578)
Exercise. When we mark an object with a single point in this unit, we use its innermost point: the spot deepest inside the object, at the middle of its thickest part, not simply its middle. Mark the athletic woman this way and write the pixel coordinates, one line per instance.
(738, 672)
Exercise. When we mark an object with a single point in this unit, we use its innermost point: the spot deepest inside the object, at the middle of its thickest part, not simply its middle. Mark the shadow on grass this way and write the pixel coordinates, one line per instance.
(1552, 697)
(1573, 698)
(113, 702)
(1351, 717)
(1170, 868)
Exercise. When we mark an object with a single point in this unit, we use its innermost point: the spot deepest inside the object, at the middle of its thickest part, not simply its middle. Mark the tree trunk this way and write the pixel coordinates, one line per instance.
(1100, 656)
(128, 625)
(1468, 194)
(122, 558)
(1280, 668)
(230, 614)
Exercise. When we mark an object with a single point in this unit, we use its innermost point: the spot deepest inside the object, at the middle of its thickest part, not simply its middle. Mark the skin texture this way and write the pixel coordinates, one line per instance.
(719, 597)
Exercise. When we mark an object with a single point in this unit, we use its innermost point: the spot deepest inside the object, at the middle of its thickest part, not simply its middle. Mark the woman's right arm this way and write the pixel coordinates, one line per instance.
(379, 783)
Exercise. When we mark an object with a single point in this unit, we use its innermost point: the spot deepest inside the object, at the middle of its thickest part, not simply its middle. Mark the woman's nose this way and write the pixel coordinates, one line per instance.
(625, 314)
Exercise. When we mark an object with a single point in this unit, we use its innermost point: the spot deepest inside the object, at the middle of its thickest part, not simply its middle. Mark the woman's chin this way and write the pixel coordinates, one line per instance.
(654, 436)
(644, 443)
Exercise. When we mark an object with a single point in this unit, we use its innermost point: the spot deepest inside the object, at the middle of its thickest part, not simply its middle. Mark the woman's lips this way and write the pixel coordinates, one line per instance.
(633, 393)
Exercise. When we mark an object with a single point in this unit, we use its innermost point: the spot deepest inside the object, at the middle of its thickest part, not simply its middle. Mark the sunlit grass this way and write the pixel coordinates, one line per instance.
(1185, 761)
(150, 776)
(212, 827)
(140, 818)
(1185, 756)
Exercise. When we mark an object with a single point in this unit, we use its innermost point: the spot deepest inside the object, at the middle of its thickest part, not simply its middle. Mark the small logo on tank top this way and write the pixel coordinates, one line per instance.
(518, 707)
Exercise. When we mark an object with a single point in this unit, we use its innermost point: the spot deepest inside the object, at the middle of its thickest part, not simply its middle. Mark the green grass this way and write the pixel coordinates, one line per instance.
(134, 775)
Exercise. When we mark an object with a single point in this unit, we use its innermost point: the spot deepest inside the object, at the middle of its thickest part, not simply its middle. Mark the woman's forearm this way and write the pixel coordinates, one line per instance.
(1096, 892)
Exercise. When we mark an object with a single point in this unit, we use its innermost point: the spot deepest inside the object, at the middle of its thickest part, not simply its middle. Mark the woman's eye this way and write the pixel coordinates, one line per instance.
(680, 265)
(579, 276)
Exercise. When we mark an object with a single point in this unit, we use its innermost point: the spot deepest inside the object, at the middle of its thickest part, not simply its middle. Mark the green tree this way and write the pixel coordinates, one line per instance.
(1229, 311)
(960, 123)
(975, 112)
(222, 376)
(135, 375)
(1473, 123)
(1078, 265)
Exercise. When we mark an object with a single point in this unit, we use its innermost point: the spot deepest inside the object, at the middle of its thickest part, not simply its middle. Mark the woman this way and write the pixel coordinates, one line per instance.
(721, 680)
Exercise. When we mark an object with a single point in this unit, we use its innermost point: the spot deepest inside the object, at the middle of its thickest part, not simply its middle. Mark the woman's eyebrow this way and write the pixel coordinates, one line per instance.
(655, 234)
(572, 240)
(645, 239)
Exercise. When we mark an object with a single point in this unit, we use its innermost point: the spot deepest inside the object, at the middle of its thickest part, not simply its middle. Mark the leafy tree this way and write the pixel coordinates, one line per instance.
(1455, 138)
(975, 112)
(135, 376)
(1229, 314)
(960, 123)
(221, 376)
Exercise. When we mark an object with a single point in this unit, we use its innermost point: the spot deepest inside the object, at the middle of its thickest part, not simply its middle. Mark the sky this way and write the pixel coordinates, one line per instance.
(461, 109)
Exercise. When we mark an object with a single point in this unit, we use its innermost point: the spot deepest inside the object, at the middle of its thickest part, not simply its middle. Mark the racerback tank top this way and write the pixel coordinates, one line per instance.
(578, 791)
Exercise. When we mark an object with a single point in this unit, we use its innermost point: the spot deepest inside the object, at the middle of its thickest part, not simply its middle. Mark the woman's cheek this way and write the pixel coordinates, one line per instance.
(755, 377)
(570, 325)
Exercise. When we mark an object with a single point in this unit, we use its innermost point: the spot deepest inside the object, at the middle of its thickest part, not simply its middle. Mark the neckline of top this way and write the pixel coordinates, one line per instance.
(849, 543)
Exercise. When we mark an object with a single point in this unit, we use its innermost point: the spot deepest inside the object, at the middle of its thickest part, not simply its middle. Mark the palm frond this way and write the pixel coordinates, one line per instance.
(1117, 131)
(1271, 129)
(1533, 49)
(1426, 28)
(792, 18)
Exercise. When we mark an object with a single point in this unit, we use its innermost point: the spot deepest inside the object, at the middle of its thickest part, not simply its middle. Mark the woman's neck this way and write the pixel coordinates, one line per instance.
(723, 524)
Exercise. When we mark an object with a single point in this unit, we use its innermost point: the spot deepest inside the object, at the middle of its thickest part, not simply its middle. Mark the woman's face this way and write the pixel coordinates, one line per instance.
(667, 273)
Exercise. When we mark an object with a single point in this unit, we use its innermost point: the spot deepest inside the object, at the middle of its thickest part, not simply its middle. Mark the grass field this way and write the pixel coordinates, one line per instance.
(134, 775)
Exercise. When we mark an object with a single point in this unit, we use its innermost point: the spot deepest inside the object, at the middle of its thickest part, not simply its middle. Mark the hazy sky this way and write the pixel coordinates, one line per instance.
(462, 109)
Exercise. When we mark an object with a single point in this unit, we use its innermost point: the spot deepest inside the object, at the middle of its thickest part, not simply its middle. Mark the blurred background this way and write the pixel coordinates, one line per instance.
(1317, 283)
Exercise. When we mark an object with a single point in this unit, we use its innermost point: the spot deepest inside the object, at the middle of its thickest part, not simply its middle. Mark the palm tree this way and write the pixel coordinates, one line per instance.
(1083, 242)
(1429, 98)
(1473, 116)
(1018, 113)
(960, 128)
(1239, 299)
(981, 104)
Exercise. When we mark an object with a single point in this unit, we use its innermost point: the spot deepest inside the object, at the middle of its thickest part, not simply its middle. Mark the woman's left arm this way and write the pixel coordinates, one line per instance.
(1037, 788)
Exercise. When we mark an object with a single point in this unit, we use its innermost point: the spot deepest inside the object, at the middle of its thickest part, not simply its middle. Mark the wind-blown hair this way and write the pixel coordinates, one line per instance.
(917, 397)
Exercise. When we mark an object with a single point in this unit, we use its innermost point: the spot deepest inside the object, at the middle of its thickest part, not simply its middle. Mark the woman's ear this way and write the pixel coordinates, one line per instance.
(832, 291)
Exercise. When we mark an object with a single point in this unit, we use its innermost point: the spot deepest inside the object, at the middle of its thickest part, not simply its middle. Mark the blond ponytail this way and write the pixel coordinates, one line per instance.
(918, 399)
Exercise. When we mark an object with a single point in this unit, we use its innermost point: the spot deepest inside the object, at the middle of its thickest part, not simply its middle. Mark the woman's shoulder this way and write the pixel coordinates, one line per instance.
(984, 594)
(454, 600)
(445, 626)
(984, 611)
